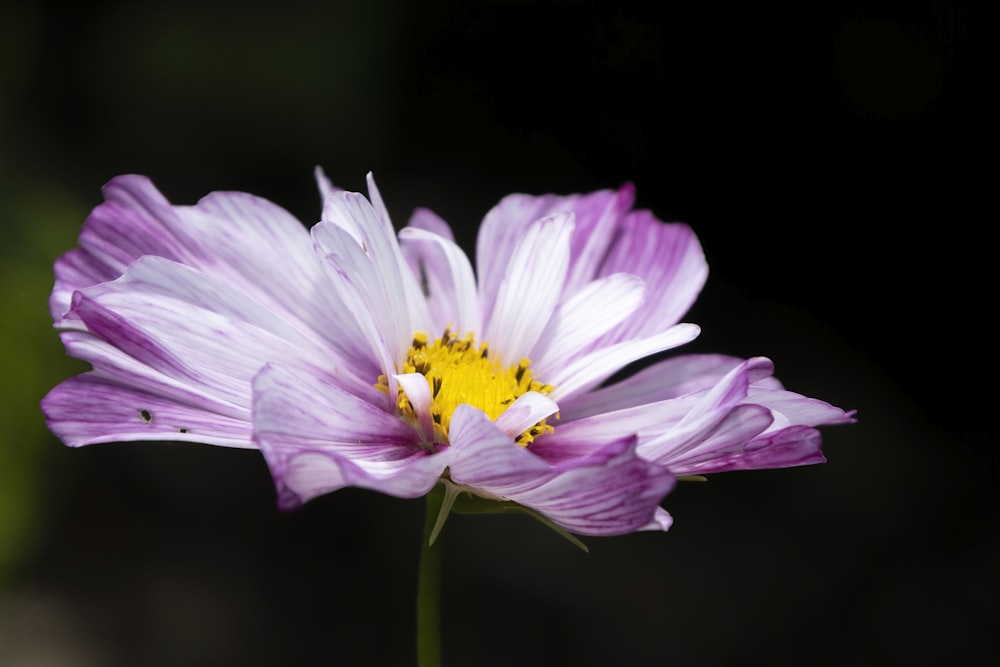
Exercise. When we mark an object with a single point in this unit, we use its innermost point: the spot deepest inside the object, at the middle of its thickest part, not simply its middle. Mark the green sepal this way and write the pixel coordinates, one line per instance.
(443, 495)
(457, 499)
(691, 478)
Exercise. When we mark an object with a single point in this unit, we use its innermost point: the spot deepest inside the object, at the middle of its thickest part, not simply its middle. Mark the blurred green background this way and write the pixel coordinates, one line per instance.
(821, 152)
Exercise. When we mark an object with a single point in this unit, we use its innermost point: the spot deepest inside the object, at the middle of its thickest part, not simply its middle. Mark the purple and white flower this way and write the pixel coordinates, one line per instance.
(350, 356)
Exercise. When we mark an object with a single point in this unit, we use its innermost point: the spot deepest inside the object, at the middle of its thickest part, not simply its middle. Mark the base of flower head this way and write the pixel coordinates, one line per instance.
(462, 499)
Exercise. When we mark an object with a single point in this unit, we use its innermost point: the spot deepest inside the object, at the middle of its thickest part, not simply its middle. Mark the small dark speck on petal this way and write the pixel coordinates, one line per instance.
(425, 285)
(146, 416)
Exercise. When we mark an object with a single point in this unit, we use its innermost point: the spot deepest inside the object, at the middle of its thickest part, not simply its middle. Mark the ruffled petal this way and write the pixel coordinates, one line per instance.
(155, 278)
(610, 493)
(76, 269)
(717, 434)
(730, 390)
(798, 409)
(613, 497)
(582, 437)
(715, 424)
(316, 438)
(661, 381)
(246, 242)
(201, 339)
(792, 446)
(174, 350)
(134, 220)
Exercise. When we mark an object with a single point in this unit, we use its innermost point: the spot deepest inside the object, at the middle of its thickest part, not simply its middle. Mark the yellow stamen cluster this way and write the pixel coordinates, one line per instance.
(457, 371)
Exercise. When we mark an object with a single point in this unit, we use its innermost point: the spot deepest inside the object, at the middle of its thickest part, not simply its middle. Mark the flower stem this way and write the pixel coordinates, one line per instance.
(429, 587)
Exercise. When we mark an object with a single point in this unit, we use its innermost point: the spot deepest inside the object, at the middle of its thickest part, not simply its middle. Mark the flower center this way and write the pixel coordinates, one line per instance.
(457, 372)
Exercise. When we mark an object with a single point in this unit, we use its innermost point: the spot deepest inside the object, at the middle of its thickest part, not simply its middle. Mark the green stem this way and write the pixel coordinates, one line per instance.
(429, 587)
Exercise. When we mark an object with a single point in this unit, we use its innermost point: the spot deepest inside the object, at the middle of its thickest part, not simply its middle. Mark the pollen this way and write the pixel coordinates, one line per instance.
(460, 371)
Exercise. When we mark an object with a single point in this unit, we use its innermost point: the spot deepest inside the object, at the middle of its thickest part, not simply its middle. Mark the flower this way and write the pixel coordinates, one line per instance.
(352, 357)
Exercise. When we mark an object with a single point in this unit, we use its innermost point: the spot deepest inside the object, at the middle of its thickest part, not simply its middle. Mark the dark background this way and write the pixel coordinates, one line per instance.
(827, 156)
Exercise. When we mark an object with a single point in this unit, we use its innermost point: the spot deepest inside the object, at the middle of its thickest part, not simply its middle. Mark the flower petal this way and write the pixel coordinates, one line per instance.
(661, 521)
(418, 392)
(76, 269)
(264, 251)
(428, 220)
(526, 411)
(531, 287)
(583, 437)
(369, 255)
(135, 220)
(89, 409)
(617, 496)
(581, 320)
(114, 365)
(367, 299)
(669, 259)
(249, 243)
(500, 234)
(155, 278)
(615, 493)
(376, 199)
(368, 223)
(484, 457)
(167, 327)
(593, 368)
(792, 446)
(597, 220)
(596, 215)
(446, 276)
(660, 381)
(170, 341)
(798, 409)
(731, 389)
(721, 433)
(317, 438)
(325, 186)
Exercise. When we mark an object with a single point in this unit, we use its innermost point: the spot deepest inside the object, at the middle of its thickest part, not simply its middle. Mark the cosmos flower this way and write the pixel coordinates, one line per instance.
(350, 356)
